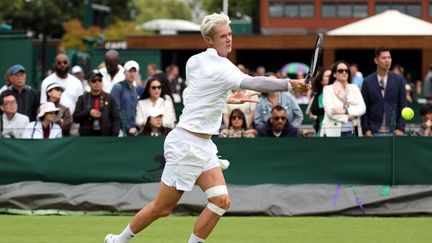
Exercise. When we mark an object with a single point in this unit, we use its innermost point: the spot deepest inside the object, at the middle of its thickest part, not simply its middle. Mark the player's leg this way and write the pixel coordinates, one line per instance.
(164, 203)
(212, 182)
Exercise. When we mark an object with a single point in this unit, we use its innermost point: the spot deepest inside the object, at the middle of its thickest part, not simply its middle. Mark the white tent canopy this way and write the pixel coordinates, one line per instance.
(170, 26)
(388, 23)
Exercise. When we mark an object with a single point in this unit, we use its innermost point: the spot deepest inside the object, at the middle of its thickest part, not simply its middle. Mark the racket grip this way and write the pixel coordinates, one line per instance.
(308, 78)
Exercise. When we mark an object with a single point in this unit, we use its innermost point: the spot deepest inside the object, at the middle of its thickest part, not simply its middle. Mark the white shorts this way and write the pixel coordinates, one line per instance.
(187, 156)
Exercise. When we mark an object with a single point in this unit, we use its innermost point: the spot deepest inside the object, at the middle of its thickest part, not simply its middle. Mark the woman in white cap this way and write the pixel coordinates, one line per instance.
(44, 126)
(54, 93)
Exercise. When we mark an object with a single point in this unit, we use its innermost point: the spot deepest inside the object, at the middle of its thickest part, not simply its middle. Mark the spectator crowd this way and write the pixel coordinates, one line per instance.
(114, 100)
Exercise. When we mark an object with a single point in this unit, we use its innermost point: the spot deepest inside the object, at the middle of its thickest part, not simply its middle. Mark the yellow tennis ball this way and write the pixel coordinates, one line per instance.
(407, 113)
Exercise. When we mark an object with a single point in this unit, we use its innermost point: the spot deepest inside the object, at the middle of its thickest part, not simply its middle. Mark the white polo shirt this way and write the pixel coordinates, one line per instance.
(210, 78)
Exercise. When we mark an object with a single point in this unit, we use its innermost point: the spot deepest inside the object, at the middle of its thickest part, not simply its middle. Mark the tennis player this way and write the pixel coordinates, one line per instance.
(189, 152)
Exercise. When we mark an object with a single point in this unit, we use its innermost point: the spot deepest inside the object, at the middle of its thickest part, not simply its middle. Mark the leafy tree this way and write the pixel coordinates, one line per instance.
(120, 29)
(156, 9)
(47, 16)
(75, 32)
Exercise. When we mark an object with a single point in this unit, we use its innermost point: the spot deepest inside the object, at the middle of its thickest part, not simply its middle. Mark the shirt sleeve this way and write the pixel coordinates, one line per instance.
(265, 84)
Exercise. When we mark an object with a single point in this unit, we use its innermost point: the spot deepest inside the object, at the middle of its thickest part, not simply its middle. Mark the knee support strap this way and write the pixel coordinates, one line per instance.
(213, 192)
(216, 191)
(215, 209)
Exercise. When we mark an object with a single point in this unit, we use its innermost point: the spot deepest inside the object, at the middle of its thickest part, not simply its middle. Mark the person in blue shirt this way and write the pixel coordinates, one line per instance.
(126, 97)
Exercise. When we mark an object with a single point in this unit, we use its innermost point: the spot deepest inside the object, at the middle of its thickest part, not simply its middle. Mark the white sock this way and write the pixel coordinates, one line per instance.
(125, 236)
(195, 239)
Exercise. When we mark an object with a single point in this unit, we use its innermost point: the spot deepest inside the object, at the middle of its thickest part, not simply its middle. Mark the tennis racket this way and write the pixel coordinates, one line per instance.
(316, 58)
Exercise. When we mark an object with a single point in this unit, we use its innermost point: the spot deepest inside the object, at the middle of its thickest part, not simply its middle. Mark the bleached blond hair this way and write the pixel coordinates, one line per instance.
(212, 20)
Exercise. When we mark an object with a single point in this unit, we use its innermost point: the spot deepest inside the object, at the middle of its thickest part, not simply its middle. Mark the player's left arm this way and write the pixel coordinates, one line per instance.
(268, 84)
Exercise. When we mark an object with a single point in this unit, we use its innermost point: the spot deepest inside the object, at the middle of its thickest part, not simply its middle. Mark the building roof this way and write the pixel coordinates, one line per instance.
(170, 26)
(388, 23)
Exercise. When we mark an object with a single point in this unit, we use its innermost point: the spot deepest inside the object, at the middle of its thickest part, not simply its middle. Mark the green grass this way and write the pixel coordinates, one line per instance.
(176, 229)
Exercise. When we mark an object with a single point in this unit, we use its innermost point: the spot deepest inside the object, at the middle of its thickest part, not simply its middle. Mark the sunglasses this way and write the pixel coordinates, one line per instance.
(237, 117)
(96, 80)
(51, 112)
(156, 87)
(62, 62)
(342, 70)
(279, 118)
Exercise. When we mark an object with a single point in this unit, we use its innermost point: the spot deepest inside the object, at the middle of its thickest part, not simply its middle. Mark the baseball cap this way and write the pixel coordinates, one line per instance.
(131, 64)
(154, 112)
(17, 68)
(76, 69)
(93, 73)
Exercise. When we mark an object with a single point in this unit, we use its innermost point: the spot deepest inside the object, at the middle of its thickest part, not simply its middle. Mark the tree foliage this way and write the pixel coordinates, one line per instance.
(156, 9)
(75, 32)
(120, 29)
(47, 16)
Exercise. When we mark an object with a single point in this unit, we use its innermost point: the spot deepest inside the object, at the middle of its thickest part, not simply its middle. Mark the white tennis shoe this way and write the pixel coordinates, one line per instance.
(110, 238)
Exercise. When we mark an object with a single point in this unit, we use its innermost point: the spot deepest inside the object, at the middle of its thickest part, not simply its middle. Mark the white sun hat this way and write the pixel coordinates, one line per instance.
(46, 107)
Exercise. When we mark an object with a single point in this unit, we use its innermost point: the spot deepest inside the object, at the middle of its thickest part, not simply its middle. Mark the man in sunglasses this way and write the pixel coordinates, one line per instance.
(72, 85)
(96, 111)
(278, 125)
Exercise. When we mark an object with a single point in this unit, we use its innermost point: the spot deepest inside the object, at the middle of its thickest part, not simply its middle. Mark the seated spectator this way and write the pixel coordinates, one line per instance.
(154, 125)
(343, 104)
(96, 111)
(409, 94)
(237, 126)
(12, 123)
(44, 126)
(8, 81)
(269, 100)
(247, 108)
(26, 97)
(426, 114)
(278, 125)
(155, 96)
(54, 93)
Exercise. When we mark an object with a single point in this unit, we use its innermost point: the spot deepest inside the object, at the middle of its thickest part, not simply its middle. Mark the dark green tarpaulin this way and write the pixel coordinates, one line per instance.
(368, 161)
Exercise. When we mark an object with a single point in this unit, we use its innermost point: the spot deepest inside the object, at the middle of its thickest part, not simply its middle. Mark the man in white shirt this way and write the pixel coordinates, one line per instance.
(12, 123)
(113, 72)
(189, 152)
(72, 85)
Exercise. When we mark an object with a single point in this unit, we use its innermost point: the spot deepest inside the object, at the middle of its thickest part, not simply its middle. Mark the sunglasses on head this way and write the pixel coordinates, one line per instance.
(62, 62)
(342, 70)
(279, 118)
(156, 87)
(99, 80)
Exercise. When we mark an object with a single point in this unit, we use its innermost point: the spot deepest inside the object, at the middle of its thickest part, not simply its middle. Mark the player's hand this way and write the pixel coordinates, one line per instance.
(300, 85)
(398, 132)
(240, 98)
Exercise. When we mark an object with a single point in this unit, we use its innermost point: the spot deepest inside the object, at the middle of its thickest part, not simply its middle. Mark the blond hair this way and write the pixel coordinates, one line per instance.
(212, 20)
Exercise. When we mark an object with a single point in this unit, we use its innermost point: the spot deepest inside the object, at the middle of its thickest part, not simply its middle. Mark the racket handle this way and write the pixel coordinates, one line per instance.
(308, 78)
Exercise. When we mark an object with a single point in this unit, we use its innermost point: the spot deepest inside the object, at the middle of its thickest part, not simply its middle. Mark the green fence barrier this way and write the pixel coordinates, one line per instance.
(368, 161)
